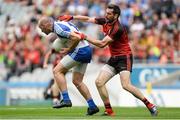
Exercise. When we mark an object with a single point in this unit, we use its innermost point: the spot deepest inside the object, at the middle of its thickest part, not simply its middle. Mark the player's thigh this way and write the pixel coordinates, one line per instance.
(106, 73)
(78, 72)
(59, 68)
(65, 64)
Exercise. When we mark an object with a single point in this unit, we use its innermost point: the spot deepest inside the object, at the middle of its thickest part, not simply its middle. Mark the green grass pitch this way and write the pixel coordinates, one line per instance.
(76, 113)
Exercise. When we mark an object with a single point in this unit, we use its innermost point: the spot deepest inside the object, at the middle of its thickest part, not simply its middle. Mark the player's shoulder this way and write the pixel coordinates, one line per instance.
(60, 23)
(118, 26)
(66, 26)
(64, 23)
(117, 29)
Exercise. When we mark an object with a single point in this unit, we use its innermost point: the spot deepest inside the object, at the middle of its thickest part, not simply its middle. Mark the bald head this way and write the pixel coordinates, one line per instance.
(46, 25)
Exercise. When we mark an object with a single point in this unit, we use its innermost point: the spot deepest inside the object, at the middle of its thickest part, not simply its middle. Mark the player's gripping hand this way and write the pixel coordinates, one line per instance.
(65, 18)
(81, 35)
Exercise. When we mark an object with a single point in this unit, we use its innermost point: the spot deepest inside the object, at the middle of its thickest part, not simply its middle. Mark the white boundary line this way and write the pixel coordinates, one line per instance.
(23, 108)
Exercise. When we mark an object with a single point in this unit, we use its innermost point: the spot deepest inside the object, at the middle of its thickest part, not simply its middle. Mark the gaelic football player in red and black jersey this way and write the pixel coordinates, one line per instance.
(121, 59)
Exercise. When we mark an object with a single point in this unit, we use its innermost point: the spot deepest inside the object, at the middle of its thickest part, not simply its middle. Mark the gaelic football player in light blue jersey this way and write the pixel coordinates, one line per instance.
(77, 55)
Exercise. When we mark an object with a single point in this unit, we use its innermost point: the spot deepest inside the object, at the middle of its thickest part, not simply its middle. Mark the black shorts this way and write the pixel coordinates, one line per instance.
(120, 63)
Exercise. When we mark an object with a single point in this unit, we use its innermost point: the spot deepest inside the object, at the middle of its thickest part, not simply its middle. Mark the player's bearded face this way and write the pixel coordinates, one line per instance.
(109, 15)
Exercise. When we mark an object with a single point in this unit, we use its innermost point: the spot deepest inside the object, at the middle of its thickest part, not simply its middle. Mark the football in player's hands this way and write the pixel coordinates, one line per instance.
(59, 43)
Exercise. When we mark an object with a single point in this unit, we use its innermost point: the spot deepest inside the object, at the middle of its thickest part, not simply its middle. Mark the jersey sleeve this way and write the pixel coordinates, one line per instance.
(60, 32)
(100, 21)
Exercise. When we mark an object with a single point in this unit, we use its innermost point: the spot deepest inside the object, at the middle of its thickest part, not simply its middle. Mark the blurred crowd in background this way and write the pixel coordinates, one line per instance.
(153, 27)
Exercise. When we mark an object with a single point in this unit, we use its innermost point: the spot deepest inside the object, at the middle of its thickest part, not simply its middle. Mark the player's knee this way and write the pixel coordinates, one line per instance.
(77, 83)
(99, 83)
(56, 72)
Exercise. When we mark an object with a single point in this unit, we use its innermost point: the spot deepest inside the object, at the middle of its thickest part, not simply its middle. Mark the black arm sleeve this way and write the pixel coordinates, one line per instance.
(100, 21)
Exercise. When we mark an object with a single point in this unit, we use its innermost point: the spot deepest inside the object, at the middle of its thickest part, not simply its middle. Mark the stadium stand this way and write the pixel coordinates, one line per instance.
(154, 34)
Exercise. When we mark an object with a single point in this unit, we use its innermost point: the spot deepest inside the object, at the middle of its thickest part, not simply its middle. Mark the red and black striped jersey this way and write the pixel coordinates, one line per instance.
(120, 45)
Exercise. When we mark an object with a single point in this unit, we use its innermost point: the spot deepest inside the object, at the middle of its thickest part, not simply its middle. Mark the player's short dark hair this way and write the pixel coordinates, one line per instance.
(116, 9)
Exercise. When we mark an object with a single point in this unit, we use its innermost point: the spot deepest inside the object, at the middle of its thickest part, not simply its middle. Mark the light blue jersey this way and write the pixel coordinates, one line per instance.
(82, 52)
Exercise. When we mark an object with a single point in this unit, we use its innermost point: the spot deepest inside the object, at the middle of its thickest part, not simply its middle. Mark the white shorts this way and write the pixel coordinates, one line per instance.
(69, 63)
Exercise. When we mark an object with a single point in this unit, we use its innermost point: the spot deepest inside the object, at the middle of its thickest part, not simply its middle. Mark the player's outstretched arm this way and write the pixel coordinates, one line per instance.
(77, 17)
(84, 18)
(99, 43)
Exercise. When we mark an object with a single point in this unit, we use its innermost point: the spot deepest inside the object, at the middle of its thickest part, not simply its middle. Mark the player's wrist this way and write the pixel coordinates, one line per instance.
(83, 36)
